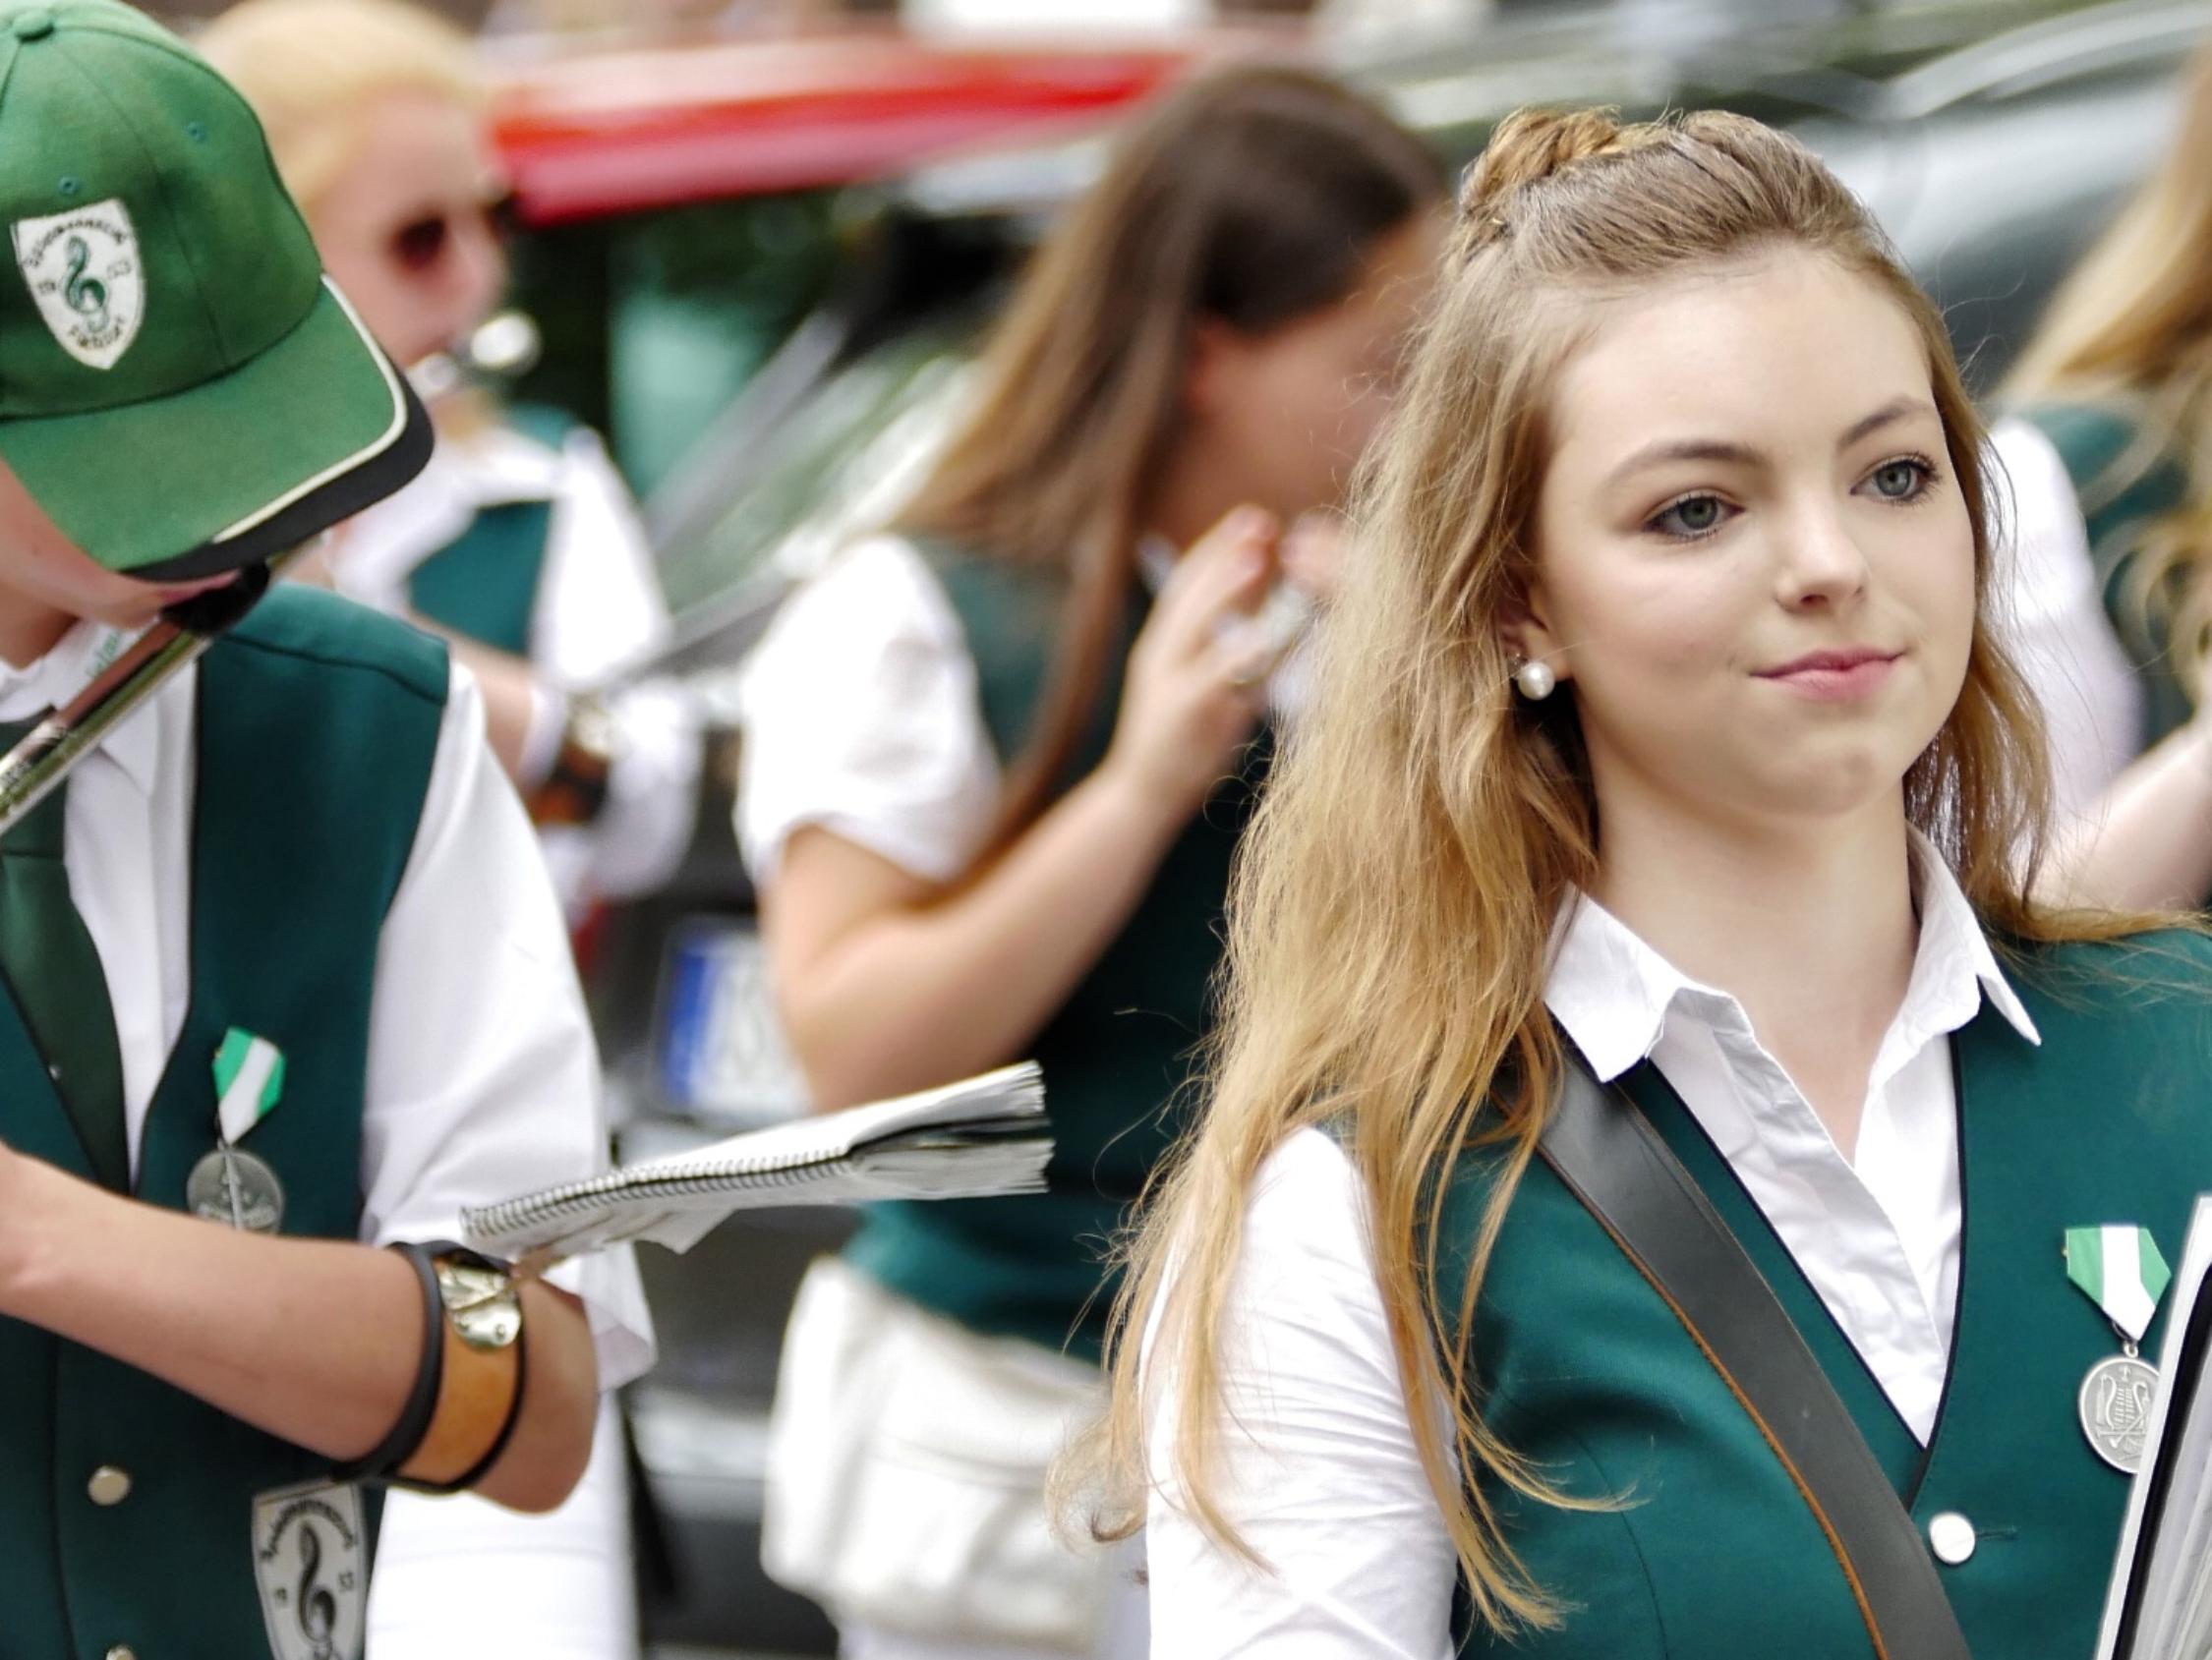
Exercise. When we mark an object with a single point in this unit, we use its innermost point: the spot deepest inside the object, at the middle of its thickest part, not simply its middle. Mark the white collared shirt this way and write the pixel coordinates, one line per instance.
(1317, 1466)
(1877, 1233)
(597, 608)
(861, 715)
(2052, 607)
(483, 1079)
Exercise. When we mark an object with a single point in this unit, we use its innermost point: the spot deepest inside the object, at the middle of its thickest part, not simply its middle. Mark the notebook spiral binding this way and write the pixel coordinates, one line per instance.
(981, 1137)
(511, 1216)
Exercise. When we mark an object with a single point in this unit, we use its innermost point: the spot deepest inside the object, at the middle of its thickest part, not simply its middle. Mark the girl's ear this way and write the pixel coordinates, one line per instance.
(1524, 623)
(1213, 375)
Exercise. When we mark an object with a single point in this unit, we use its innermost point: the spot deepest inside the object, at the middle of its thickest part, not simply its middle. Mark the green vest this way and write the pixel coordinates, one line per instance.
(483, 585)
(2121, 494)
(317, 725)
(1117, 1054)
(1590, 1375)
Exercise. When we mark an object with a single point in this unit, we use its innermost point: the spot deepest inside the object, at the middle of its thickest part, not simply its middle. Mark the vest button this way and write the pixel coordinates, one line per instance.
(1952, 1537)
(109, 1486)
(122, 1651)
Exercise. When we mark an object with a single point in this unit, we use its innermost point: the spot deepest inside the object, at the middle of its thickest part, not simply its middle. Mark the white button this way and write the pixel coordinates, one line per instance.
(109, 1485)
(121, 1652)
(1952, 1537)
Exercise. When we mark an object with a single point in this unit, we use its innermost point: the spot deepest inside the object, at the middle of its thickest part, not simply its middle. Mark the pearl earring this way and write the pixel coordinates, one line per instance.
(1535, 679)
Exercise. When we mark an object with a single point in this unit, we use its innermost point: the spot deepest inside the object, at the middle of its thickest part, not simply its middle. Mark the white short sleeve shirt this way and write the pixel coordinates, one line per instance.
(599, 607)
(2050, 606)
(861, 716)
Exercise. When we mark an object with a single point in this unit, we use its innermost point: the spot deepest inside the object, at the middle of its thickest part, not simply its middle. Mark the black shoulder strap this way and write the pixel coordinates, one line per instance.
(1601, 1146)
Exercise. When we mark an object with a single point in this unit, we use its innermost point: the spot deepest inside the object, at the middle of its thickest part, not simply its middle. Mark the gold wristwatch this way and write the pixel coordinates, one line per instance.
(483, 1303)
(575, 789)
(480, 1371)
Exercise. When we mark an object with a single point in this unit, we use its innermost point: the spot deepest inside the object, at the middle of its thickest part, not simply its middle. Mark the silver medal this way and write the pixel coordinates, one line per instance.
(2115, 1403)
(236, 1188)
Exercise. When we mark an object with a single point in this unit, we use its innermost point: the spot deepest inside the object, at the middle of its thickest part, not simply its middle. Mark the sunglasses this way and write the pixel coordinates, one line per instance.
(420, 244)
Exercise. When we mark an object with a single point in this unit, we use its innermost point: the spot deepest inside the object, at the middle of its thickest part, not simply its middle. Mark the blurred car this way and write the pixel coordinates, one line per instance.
(766, 288)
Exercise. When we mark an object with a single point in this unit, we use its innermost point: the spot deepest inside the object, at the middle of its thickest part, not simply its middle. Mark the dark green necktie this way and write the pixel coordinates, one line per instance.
(54, 970)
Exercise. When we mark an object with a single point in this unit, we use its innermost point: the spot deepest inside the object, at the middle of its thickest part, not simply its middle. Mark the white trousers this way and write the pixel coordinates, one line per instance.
(461, 1578)
(1124, 1634)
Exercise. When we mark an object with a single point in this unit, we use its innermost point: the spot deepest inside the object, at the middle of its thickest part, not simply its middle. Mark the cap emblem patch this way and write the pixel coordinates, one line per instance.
(84, 271)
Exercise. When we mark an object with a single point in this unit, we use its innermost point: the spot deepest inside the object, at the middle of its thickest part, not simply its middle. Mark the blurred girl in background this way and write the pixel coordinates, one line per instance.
(2110, 456)
(519, 544)
(996, 764)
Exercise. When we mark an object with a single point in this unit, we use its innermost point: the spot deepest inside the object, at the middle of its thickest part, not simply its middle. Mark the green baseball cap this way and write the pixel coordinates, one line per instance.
(181, 388)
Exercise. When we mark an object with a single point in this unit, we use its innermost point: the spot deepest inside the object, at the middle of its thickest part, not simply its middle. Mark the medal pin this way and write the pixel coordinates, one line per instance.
(2119, 1268)
(230, 1185)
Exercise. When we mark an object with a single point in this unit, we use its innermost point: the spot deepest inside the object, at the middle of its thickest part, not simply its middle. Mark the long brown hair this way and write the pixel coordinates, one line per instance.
(2131, 327)
(1391, 915)
(1253, 196)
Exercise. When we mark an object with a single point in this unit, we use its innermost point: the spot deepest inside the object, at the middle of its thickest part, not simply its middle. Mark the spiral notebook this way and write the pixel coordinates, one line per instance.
(979, 1138)
(2160, 1606)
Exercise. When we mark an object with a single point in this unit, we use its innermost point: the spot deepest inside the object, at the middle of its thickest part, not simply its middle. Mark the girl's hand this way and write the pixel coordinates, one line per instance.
(1196, 684)
(1314, 553)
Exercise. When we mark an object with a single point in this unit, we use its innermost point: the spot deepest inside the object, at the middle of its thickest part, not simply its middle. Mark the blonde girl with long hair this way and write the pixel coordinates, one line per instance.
(520, 544)
(1659, 730)
(2108, 445)
(997, 760)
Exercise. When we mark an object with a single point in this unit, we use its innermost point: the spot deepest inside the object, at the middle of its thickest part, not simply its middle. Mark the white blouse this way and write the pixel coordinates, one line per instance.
(861, 715)
(1318, 1469)
(599, 607)
(2051, 604)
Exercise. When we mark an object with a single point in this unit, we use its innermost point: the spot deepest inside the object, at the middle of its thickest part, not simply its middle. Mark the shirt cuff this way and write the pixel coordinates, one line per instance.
(607, 1282)
(541, 739)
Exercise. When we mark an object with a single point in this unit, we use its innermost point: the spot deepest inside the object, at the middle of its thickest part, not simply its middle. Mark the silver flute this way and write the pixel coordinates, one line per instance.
(36, 766)
(501, 349)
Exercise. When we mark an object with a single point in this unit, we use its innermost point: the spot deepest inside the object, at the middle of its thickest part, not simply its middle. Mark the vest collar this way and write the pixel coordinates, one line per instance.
(466, 476)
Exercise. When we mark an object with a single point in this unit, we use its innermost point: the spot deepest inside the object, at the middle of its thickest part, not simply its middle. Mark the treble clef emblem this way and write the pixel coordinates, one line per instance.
(87, 295)
(316, 1608)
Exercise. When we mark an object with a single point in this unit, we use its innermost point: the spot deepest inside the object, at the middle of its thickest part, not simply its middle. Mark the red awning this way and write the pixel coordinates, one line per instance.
(619, 132)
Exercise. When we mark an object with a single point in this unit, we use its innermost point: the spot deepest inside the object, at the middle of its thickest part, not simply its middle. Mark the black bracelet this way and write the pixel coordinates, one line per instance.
(422, 1401)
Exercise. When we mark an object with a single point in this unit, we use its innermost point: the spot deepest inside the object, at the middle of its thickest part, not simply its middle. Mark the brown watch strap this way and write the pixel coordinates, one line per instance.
(575, 790)
(479, 1394)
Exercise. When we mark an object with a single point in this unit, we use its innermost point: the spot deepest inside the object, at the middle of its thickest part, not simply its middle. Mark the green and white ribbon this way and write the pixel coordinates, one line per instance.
(249, 1081)
(2122, 1273)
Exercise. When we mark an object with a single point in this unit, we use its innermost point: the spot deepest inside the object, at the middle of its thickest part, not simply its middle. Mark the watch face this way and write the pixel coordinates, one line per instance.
(482, 1303)
(593, 730)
